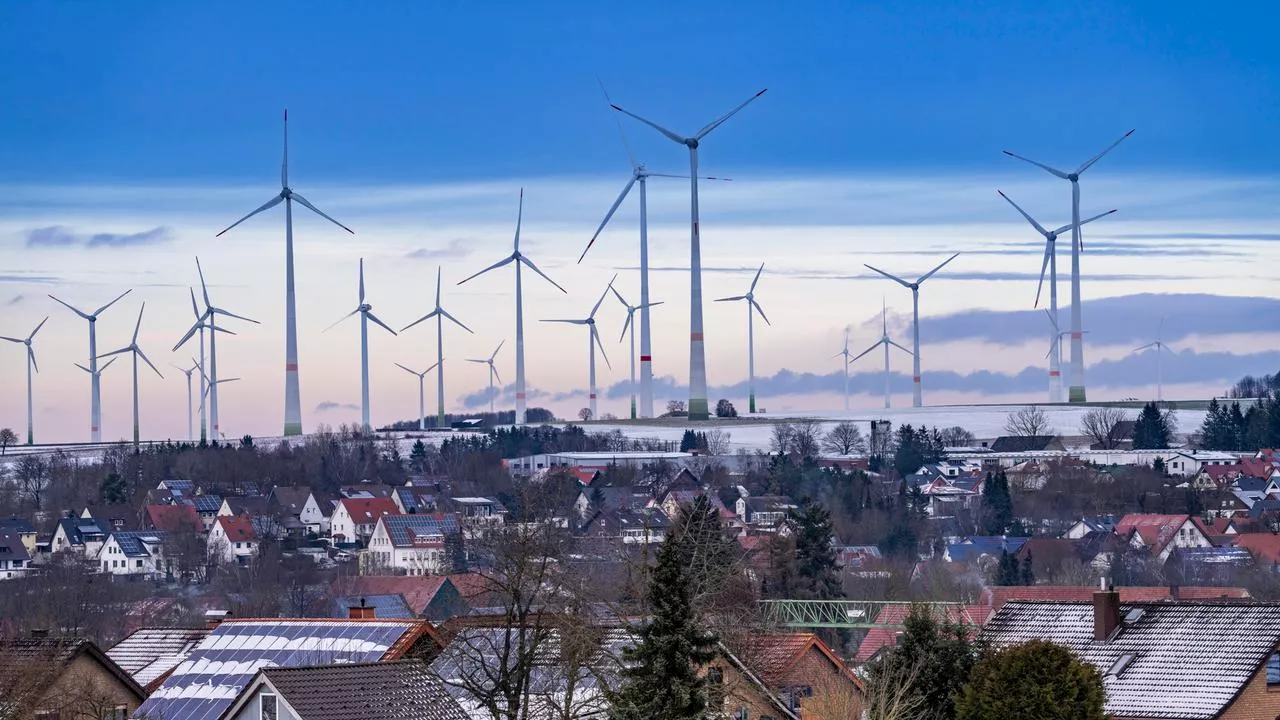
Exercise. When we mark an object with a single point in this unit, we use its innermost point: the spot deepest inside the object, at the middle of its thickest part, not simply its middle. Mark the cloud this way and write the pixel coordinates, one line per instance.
(456, 249)
(61, 236)
(330, 405)
(948, 274)
(1262, 236)
(501, 395)
(15, 300)
(19, 277)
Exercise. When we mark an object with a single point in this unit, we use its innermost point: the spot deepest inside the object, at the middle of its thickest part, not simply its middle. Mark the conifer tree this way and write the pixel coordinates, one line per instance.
(815, 558)
(1151, 430)
(997, 505)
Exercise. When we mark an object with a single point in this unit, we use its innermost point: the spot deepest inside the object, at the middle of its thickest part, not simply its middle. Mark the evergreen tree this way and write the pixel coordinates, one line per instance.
(938, 654)
(815, 558)
(908, 456)
(997, 505)
(1216, 432)
(1027, 575)
(1151, 431)
(113, 489)
(1237, 425)
(1007, 570)
(661, 678)
(780, 581)
(1037, 679)
(418, 456)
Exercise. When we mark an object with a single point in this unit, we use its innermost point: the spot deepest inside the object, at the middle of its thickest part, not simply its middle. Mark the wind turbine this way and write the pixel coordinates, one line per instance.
(292, 398)
(751, 337)
(914, 287)
(31, 365)
(191, 437)
(593, 340)
(845, 353)
(366, 314)
(1076, 393)
(422, 392)
(643, 307)
(493, 373)
(211, 388)
(1159, 345)
(136, 351)
(886, 342)
(439, 313)
(519, 259)
(639, 173)
(1051, 263)
(698, 408)
(95, 395)
(209, 319)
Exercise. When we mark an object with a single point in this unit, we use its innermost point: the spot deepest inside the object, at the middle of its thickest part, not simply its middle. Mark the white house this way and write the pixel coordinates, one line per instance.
(479, 514)
(412, 543)
(1189, 463)
(232, 539)
(15, 561)
(354, 519)
(314, 516)
(1160, 534)
(134, 553)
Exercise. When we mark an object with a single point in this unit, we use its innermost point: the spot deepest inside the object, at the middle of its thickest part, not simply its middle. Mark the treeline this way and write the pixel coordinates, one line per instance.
(533, 416)
(1255, 387)
(1231, 428)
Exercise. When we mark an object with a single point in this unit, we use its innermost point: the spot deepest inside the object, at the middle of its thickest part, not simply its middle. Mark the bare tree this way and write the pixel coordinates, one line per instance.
(675, 408)
(1101, 425)
(888, 695)
(584, 414)
(33, 478)
(7, 438)
(780, 441)
(956, 436)
(844, 439)
(718, 442)
(805, 437)
(1030, 421)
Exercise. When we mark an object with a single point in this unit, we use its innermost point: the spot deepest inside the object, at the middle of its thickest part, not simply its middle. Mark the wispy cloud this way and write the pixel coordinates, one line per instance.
(15, 299)
(457, 248)
(61, 236)
(330, 405)
(19, 277)
(960, 275)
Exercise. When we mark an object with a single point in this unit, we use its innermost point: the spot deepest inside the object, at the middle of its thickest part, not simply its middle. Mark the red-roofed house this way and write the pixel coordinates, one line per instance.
(433, 597)
(1160, 534)
(585, 476)
(172, 519)
(799, 669)
(355, 519)
(889, 625)
(1263, 546)
(232, 539)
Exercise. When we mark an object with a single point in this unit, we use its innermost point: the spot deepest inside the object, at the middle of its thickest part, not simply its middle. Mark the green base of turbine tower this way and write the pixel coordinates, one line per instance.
(698, 409)
(633, 409)
(751, 404)
(292, 429)
(1076, 395)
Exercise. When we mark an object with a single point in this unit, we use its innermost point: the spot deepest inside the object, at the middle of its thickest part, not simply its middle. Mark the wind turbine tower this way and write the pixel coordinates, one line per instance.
(209, 319)
(422, 392)
(698, 407)
(493, 373)
(191, 436)
(1050, 262)
(31, 366)
(593, 341)
(292, 397)
(914, 287)
(519, 259)
(1159, 346)
(366, 314)
(886, 342)
(846, 355)
(629, 324)
(136, 352)
(752, 308)
(1076, 392)
(439, 313)
(95, 394)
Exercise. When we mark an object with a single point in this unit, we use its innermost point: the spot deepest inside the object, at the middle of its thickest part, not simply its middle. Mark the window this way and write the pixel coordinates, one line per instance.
(1120, 664)
(139, 563)
(1273, 670)
(267, 706)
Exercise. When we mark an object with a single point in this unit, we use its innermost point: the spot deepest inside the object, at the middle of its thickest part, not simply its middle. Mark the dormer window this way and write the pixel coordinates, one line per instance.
(1121, 663)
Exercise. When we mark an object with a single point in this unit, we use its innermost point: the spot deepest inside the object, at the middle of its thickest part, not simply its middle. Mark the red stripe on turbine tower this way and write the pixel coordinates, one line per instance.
(695, 336)
(646, 358)
(291, 367)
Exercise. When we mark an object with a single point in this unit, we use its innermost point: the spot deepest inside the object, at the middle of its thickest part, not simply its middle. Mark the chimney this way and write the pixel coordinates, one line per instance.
(1106, 611)
(361, 611)
(214, 618)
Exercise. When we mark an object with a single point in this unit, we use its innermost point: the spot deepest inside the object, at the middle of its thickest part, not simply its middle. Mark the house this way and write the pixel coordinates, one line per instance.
(600, 498)
(627, 525)
(224, 663)
(15, 560)
(233, 539)
(974, 548)
(134, 552)
(47, 677)
(1207, 566)
(431, 597)
(1160, 534)
(78, 534)
(799, 669)
(1189, 463)
(1091, 524)
(1251, 489)
(413, 500)
(1263, 546)
(207, 507)
(765, 513)
(400, 690)
(478, 513)
(354, 519)
(149, 653)
(23, 530)
(287, 503)
(1192, 660)
(172, 519)
(1024, 444)
(251, 505)
(111, 518)
(390, 607)
(414, 544)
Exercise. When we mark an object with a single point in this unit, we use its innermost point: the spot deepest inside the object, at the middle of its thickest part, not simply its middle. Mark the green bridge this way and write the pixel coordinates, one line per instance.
(854, 614)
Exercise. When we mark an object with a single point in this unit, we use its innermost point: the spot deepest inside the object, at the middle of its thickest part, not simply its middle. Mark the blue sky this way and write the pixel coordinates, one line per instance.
(133, 133)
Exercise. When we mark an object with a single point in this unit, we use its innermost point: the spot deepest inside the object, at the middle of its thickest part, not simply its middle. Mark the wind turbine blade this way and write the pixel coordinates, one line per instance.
(570, 322)
(381, 324)
(596, 336)
(31, 355)
(1052, 320)
(534, 268)
(46, 319)
(860, 355)
(455, 320)
(756, 279)
(220, 311)
(1095, 217)
(407, 369)
(361, 281)
(720, 120)
(1144, 347)
(433, 367)
(265, 206)
(13, 339)
(1052, 171)
(652, 304)
(495, 351)
(494, 266)
(760, 310)
(307, 204)
(626, 324)
(481, 361)
(621, 299)
(603, 295)
(1159, 329)
(138, 326)
(204, 289)
(630, 157)
(1044, 266)
(899, 347)
(148, 362)
(609, 215)
(519, 220)
(100, 310)
(195, 309)
(221, 330)
(494, 370)
(730, 299)
(1039, 228)
(344, 317)
(686, 177)
(894, 278)
(674, 137)
(86, 317)
(943, 264)
(116, 352)
(188, 336)
(104, 367)
(424, 318)
(1089, 163)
